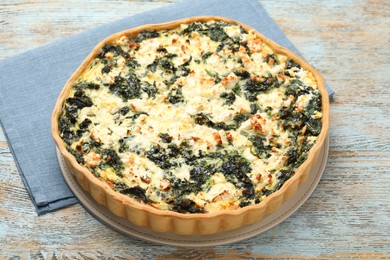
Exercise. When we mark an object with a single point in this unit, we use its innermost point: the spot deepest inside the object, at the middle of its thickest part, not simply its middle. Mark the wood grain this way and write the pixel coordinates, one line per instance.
(348, 216)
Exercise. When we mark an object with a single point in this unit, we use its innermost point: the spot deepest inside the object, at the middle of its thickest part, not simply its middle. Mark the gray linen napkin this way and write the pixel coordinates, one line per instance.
(30, 84)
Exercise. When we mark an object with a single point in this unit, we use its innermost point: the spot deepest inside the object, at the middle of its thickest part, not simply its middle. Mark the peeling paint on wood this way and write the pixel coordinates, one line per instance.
(348, 215)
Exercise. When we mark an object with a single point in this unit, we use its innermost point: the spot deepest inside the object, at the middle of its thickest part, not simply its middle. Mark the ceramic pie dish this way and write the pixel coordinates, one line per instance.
(194, 126)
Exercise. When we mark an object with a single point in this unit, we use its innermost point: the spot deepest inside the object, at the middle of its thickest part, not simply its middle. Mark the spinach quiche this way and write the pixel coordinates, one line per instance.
(193, 126)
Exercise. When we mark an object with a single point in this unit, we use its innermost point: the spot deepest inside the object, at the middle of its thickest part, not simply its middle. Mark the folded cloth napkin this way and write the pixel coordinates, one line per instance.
(30, 84)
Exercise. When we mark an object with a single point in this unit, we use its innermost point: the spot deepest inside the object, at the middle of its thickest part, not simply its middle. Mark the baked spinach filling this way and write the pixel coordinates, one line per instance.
(168, 155)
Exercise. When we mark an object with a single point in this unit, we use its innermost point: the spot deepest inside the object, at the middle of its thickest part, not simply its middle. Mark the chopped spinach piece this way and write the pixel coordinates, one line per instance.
(229, 96)
(285, 113)
(202, 119)
(123, 146)
(254, 108)
(186, 206)
(136, 114)
(124, 110)
(187, 154)
(136, 191)
(153, 66)
(315, 103)
(170, 56)
(86, 85)
(272, 58)
(283, 176)
(162, 49)
(293, 118)
(71, 114)
(182, 71)
(220, 47)
(293, 156)
(90, 145)
(80, 100)
(163, 63)
(175, 96)
(296, 88)
(268, 110)
(206, 55)
(215, 31)
(167, 65)
(253, 87)
(259, 148)
(200, 173)
(83, 127)
(244, 204)
(66, 122)
(126, 88)
(237, 89)
(165, 138)
(214, 75)
(143, 35)
(67, 135)
(149, 89)
(242, 73)
(117, 50)
(267, 192)
(77, 155)
(314, 126)
(169, 82)
(163, 157)
(237, 166)
(233, 46)
(106, 69)
(187, 62)
(193, 27)
(240, 118)
(112, 159)
(72, 105)
(132, 63)
(183, 187)
(245, 45)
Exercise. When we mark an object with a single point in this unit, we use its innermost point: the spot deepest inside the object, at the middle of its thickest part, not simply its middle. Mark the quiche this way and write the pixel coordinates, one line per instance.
(193, 126)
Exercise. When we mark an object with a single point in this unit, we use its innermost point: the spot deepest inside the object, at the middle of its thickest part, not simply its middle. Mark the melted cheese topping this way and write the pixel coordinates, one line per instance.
(201, 118)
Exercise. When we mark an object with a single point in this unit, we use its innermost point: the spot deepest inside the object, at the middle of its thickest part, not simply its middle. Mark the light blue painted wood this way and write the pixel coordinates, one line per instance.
(348, 215)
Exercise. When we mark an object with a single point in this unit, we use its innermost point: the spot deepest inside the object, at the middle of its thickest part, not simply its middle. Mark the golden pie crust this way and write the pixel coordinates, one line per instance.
(187, 224)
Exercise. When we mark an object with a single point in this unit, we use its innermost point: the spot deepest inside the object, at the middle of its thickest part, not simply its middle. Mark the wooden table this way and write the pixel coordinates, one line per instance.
(349, 213)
